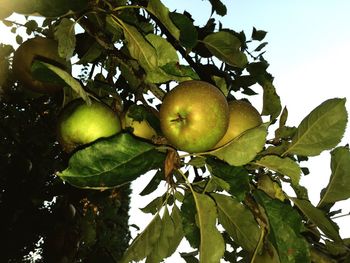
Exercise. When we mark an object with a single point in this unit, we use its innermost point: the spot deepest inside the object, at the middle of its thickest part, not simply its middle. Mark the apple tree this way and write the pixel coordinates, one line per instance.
(228, 201)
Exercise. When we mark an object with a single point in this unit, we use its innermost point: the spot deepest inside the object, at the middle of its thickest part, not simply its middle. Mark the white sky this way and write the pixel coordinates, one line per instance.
(309, 54)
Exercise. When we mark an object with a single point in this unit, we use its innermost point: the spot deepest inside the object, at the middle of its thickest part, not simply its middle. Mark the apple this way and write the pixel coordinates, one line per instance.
(194, 116)
(140, 128)
(80, 123)
(243, 116)
(40, 48)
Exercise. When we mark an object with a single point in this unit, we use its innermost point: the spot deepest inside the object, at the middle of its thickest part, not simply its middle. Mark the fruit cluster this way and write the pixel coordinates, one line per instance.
(194, 116)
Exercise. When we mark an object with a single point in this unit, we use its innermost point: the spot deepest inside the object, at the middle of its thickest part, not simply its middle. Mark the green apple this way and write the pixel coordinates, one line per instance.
(140, 128)
(243, 116)
(40, 48)
(194, 116)
(80, 123)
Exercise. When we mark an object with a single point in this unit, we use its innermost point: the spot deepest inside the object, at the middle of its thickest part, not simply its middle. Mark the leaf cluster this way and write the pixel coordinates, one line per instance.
(229, 203)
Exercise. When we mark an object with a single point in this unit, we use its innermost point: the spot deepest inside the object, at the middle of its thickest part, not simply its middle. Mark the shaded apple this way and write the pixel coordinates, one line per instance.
(243, 116)
(135, 121)
(80, 123)
(194, 116)
(39, 48)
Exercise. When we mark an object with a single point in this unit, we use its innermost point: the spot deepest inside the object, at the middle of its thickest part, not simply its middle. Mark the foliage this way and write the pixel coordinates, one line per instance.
(232, 206)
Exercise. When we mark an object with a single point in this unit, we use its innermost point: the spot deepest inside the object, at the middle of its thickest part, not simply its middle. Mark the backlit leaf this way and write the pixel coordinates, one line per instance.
(285, 166)
(65, 35)
(322, 129)
(158, 9)
(111, 162)
(143, 244)
(238, 221)
(64, 76)
(139, 48)
(285, 225)
(271, 100)
(212, 246)
(225, 46)
(317, 217)
(338, 187)
(244, 148)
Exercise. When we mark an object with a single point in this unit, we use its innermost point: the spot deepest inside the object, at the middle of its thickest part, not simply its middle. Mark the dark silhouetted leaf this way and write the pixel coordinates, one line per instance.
(188, 32)
(218, 7)
(111, 162)
(258, 34)
(322, 129)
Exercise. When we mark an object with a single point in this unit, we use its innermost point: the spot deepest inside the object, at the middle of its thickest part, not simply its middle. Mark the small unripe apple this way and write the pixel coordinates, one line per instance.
(43, 49)
(140, 128)
(194, 116)
(243, 116)
(80, 123)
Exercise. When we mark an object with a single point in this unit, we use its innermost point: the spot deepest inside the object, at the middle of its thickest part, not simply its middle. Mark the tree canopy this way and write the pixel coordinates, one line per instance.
(229, 202)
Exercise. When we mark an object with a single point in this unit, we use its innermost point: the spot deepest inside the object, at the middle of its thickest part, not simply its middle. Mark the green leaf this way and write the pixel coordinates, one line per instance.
(180, 71)
(271, 100)
(225, 46)
(212, 246)
(188, 32)
(236, 177)
(154, 206)
(62, 75)
(166, 53)
(65, 35)
(285, 166)
(144, 243)
(317, 217)
(158, 9)
(139, 48)
(188, 212)
(244, 148)
(238, 221)
(322, 129)
(111, 162)
(161, 247)
(258, 34)
(285, 225)
(338, 187)
(153, 184)
(178, 232)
